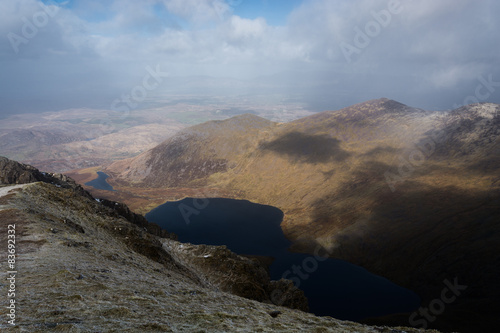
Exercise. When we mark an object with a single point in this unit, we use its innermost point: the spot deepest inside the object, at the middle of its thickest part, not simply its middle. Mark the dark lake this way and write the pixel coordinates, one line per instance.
(100, 182)
(334, 287)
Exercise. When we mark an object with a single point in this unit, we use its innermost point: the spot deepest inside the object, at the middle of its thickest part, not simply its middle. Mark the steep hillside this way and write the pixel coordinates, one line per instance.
(409, 194)
(196, 153)
(80, 266)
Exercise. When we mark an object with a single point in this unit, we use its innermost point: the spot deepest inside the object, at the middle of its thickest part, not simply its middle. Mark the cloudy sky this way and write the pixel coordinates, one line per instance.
(433, 54)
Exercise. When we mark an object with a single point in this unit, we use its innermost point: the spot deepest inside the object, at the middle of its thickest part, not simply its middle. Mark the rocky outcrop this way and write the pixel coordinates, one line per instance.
(12, 172)
(124, 211)
(283, 292)
(236, 274)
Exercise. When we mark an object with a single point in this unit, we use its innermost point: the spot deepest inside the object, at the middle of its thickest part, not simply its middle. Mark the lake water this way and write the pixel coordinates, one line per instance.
(100, 182)
(333, 287)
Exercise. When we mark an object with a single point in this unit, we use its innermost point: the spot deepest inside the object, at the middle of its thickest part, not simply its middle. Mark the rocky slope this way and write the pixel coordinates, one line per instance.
(81, 266)
(409, 194)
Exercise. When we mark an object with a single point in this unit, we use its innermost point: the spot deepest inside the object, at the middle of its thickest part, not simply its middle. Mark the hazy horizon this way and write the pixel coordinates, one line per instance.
(324, 54)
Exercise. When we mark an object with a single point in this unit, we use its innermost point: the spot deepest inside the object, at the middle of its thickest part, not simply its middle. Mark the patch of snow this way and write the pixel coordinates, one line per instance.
(488, 111)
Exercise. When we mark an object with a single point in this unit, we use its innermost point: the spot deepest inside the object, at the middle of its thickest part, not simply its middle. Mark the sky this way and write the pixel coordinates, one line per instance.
(326, 53)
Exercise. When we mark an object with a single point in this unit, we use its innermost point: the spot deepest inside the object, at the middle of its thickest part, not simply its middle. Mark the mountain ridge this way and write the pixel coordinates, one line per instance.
(348, 179)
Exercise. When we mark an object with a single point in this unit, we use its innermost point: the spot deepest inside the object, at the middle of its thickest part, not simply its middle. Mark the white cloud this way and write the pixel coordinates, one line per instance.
(434, 43)
(241, 29)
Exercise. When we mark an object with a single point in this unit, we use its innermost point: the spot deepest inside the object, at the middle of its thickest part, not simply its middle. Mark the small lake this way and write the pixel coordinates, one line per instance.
(100, 182)
(333, 287)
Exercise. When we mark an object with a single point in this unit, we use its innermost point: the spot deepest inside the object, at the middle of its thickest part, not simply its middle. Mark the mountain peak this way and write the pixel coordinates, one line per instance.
(237, 124)
(481, 110)
(246, 119)
(380, 103)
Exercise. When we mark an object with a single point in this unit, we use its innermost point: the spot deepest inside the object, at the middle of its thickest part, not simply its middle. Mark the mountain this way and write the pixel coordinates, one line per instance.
(81, 265)
(87, 138)
(409, 194)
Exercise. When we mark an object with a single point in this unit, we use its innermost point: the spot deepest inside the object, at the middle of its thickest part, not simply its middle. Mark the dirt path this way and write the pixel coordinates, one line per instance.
(4, 190)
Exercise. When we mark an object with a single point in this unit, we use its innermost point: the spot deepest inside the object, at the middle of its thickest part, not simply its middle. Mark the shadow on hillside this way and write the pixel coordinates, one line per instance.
(487, 165)
(423, 235)
(381, 149)
(307, 148)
